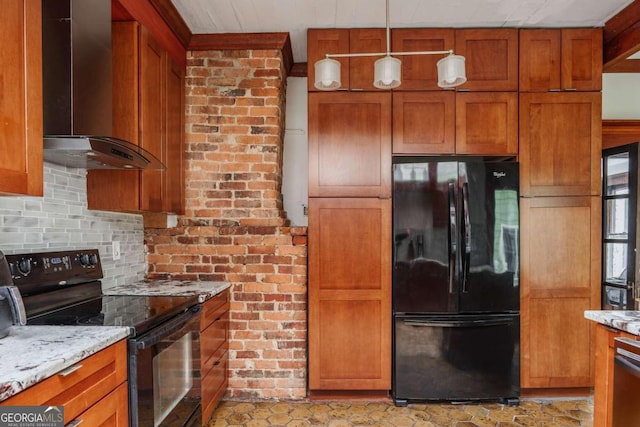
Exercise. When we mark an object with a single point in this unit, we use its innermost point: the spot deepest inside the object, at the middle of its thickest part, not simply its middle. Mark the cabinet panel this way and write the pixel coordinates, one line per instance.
(323, 41)
(419, 72)
(21, 100)
(424, 122)
(556, 338)
(560, 144)
(349, 144)
(582, 59)
(112, 410)
(487, 123)
(491, 58)
(349, 294)
(539, 60)
(152, 60)
(361, 69)
(173, 150)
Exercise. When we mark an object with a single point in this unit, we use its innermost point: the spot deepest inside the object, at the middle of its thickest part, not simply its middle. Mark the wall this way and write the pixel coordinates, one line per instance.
(234, 227)
(295, 182)
(621, 96)
(60, 220)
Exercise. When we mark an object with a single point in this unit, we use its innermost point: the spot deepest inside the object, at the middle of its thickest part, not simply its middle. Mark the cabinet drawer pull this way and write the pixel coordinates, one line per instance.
(70, 370)
(74, 423)
(217, 362)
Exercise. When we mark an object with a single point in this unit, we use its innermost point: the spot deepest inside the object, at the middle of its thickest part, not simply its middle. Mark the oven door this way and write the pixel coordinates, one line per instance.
(164, 373)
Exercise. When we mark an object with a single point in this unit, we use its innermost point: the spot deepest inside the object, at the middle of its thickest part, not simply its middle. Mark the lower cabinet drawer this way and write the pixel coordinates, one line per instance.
(213, 340)
(214, 386)
(81, 385)
(112, 410)
(213, 308)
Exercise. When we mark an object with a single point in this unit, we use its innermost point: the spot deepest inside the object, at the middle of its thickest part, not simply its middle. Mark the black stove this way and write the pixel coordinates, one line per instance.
(63, 288)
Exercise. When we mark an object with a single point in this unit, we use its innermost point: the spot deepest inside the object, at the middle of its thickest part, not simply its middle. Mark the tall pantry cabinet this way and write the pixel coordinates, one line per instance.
(349, 241)
(560, 149)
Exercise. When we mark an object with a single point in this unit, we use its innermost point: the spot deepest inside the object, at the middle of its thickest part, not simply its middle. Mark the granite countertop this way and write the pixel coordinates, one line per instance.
(30, 354)
(175, 288)
(628, 321)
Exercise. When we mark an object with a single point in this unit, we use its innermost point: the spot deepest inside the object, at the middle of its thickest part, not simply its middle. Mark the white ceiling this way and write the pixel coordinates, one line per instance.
(296, 16)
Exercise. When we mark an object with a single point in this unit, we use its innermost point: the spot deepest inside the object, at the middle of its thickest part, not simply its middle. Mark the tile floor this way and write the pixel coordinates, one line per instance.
(530, 413)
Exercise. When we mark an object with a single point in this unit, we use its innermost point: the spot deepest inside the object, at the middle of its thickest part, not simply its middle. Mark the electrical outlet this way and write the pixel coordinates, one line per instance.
(115, 249)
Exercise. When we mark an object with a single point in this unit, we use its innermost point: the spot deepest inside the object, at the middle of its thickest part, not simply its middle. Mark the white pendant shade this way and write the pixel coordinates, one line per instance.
(327, 74)
(451, 71)
(387, 73)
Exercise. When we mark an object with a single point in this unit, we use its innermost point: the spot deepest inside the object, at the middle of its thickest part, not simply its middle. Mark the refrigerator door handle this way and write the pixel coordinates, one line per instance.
(453, 245)
(466, 259)
(458, 323)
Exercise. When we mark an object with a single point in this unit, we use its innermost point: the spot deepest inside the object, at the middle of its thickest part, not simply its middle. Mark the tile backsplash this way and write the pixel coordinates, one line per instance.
(61, 221)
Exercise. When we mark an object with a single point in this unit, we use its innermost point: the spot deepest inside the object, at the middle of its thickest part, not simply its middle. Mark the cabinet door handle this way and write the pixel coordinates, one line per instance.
(75, 423)
(70, 370)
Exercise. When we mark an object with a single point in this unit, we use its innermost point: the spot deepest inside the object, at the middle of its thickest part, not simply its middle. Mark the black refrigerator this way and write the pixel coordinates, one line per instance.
(456, 298)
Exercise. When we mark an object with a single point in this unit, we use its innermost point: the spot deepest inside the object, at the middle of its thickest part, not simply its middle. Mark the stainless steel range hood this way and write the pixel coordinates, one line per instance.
(77, 73)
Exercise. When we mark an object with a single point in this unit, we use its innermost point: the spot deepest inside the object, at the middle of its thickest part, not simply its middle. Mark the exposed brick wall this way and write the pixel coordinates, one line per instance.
(234, 227)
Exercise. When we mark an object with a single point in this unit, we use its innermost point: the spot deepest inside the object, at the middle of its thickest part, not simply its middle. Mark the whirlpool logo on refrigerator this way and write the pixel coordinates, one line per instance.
(499, 174)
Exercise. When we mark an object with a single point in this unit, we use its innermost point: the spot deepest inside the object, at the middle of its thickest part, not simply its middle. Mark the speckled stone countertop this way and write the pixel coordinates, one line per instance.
(175, 288)
(30, 354)
(628, 321)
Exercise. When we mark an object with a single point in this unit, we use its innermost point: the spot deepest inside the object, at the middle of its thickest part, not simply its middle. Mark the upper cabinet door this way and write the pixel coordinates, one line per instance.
(487, 123)
(321, 42)
(419, 72)
(361, 69)
(556, 60)
(582, 59)
(539, 60)
(173, 153)
(21, 98)
(560, 144)
(350, 144)
(491, 58)
(424, 122)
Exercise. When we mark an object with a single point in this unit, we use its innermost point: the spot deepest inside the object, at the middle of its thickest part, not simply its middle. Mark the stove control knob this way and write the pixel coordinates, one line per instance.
(24, 266)
(93, 259)
(84, 260)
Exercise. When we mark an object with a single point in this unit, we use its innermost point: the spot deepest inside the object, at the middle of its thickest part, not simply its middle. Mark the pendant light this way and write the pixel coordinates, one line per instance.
(388, 70)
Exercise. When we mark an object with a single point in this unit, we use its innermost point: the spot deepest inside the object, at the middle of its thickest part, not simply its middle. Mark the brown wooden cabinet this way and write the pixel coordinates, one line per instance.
(560, 59)
(349, 144)
(214, 347)
(603, 389)
(148, 110)
(491, 58)
(560, 144)
(560, 279)
(487, 123)
(356, 73)
(21, 101)
(480, 123)
(91, 390)
(424, 122)
(349, 294)
(419, 72)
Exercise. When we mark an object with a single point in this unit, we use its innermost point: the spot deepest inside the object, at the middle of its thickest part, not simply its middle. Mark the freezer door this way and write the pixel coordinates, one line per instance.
(489, 228)
(456, 358)
(425, 251)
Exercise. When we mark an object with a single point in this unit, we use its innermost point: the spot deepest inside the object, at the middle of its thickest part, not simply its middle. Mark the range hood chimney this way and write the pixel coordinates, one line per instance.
(77, 73)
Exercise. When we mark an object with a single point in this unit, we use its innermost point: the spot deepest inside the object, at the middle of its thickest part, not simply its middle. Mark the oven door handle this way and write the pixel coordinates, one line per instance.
(167, 328)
